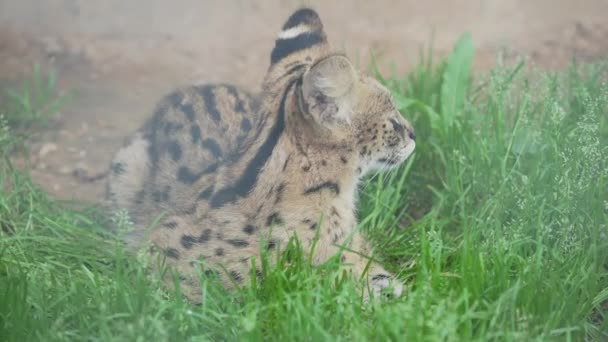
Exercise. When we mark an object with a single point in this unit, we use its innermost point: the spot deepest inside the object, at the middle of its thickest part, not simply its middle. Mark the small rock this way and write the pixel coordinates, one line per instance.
(46, 149)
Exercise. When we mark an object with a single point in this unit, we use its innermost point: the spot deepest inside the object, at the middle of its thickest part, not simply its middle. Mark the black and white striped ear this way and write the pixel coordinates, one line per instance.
(328, 90)
(302, 36)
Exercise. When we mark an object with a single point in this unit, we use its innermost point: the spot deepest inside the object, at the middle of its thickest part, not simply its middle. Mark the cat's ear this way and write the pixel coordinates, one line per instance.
(328, 90)
(301, 38)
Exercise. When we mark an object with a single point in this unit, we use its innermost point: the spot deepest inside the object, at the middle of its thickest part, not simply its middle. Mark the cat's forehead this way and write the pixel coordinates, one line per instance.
(375, 95)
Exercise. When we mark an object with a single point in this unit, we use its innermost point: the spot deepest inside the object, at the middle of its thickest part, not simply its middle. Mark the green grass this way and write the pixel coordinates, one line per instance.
(498, 224)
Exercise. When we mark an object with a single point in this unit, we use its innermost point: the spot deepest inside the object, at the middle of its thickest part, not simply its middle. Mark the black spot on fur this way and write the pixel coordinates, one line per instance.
(272, 244)
(189, 211)
(170, 225)
(172, 253)
(274, 218)
(210, 273)
(397, 126)
(251, 173)
(333, 186)
(213, 147)
(188, 110)
(118, 168)
(313, 226)
(323, 162)
(195, 133)
(236, 276)
(186, 176)
(239, 105)
(174, 99)
(205, 236)
(238, 243)
(334, 212)
(219, 251)
(188, 241)
(174, 150)
(210, 105)
(343, 159)
(280, 191)
(205, 194)
(387, 161)
(161, 196)
(171, 127)
(335, 238)
(249, 229)
(380, 277)
(306, 168)
(245, 125)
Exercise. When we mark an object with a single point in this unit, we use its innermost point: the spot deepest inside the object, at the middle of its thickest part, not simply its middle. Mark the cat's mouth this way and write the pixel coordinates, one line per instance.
(399, 157)
(408, 150)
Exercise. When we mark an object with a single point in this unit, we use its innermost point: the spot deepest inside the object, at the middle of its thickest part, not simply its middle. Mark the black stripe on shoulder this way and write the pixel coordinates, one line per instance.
(333, 186)
(301, 16)
(286, 47)
(250, 176)
(186, 176)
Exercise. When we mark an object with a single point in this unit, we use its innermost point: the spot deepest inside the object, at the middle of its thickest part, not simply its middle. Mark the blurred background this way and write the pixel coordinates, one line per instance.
(119, 57)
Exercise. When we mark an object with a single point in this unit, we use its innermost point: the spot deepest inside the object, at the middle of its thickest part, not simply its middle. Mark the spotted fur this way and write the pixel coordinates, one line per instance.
(223, 166)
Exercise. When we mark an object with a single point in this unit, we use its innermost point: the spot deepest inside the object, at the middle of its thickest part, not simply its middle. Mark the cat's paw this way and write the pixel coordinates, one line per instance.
(383, 286)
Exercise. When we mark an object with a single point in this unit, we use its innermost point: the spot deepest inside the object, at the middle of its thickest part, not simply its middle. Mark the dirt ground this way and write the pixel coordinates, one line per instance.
(121, 56)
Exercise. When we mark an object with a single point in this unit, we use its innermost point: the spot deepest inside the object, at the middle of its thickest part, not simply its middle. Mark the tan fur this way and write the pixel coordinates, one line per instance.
(268, 165)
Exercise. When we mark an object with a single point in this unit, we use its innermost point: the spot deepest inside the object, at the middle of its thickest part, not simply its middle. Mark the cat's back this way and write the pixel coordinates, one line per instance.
(194, 132)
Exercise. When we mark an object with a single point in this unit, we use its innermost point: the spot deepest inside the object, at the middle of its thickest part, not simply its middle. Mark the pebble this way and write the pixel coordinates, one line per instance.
(46, 149)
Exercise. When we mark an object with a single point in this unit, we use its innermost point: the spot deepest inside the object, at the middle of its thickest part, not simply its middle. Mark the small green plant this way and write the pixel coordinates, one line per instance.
(35, 101)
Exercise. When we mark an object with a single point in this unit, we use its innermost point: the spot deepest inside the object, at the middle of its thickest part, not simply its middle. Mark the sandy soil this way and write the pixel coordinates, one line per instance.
(121, 56)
